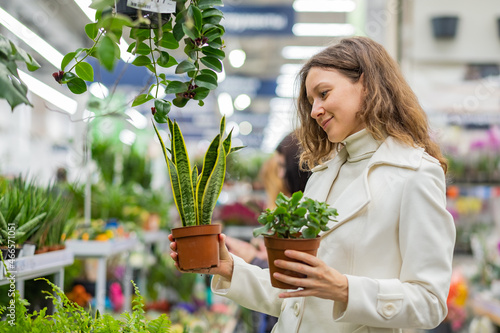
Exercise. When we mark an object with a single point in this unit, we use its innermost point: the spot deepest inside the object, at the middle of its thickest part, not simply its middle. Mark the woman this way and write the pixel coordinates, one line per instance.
(386, 264)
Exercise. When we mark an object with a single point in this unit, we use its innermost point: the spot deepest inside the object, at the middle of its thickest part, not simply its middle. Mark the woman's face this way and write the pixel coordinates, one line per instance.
(335, 100)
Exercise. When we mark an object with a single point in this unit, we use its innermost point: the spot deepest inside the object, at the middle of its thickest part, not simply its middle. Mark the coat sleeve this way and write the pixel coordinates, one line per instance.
(417, 299)
(250, 287)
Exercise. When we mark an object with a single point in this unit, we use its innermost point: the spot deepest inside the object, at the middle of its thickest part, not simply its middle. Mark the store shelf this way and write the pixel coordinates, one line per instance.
(490, 308)
(26, 268)
(100, 249)
(150, 237)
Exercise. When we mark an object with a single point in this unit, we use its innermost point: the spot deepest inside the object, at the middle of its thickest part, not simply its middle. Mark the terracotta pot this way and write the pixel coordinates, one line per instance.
(276, 250)
(197, 246)
(42, 249)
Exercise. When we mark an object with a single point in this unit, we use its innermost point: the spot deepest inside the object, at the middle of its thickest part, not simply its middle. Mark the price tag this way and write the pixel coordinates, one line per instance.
(156, 6)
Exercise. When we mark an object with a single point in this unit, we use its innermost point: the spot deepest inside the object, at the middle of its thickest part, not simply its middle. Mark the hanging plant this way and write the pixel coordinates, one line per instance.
(194, 26)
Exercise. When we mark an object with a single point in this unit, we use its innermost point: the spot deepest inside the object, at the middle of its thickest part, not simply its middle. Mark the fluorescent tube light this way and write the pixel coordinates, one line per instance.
(225, 103)
(300, 52)
(323, 29)
(337, 6)
(51, 95)
(29, 37)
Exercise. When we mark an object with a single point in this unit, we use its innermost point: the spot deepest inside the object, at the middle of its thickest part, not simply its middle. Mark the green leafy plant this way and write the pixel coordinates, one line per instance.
(195, 22)
(295, 218)
(70, 317)
(195, 195)
(12, 88)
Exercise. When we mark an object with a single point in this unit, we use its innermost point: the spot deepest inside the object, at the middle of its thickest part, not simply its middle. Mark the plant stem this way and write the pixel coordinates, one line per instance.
(89, 51)
(154, 66)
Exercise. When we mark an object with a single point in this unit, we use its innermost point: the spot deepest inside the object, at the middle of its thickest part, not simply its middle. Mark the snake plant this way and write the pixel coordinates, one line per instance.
(195, 194)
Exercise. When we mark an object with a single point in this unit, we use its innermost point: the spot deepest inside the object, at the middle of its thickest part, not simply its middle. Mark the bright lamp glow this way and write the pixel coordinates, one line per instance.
(241, 102)
(337, 6)
(233, 126)
(237, 58)
(29, 37)
(300, 52)
(225, 104)
(245, 128)
(127, 137)
(136, 118)
(99, 90)
(323, 29)
(51, 95)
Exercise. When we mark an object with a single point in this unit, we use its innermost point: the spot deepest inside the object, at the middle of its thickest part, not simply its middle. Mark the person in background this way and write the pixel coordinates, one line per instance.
(386, 263)
(280, 173)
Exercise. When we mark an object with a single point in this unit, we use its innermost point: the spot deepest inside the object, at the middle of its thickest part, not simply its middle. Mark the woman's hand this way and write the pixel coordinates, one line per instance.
(225, 268)
(322, 281)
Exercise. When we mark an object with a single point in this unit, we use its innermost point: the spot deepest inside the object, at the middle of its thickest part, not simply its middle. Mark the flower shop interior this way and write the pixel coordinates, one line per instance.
(84, 188)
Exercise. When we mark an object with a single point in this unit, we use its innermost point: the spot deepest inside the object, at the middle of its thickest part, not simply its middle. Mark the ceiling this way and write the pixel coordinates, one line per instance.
(61, 23)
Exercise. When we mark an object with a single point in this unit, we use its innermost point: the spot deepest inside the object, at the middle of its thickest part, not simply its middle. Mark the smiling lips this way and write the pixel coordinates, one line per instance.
(326, 122)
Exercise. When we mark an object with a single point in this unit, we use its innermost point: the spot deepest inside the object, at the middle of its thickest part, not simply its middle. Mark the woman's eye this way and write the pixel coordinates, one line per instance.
(323, 94)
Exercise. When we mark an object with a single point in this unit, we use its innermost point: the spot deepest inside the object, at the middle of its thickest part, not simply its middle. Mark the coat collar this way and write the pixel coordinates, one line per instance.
(357, 194)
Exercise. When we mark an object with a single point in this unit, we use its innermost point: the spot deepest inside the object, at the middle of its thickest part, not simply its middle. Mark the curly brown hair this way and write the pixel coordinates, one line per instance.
(389, 106)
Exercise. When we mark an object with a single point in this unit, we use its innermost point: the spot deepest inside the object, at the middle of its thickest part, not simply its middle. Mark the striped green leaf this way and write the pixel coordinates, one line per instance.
(184, 172)
(194, 177)
(209, 163)
(227, 143)
(174, 179)
(214, 187)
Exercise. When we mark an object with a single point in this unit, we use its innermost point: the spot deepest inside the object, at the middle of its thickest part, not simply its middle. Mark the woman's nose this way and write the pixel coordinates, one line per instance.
(316, 110)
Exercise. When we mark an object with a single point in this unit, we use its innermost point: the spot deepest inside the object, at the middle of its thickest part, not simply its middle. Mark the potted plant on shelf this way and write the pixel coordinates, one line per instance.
(294, 224)
(195, 195)
(195, 22)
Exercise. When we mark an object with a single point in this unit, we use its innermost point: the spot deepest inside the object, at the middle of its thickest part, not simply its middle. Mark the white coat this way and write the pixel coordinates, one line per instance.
(394, 241)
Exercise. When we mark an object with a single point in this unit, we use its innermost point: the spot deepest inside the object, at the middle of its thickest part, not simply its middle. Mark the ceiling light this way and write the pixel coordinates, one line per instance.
(337, 6)
(136, 118)
(51, 95)
(234, 127)
(245, 128)
(221, 76)
(300, 52)
(237, 58)
(290, 69)
(323, 29)
(225, 103)
(29, 37)
(127, 137)
(241, 102)
(99, 90)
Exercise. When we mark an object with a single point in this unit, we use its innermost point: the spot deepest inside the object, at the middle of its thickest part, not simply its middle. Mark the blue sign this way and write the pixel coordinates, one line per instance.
(258, 20)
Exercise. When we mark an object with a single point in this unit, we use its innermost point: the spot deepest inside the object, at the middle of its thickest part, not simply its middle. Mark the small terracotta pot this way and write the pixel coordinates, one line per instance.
(197, 246)
(276, 250)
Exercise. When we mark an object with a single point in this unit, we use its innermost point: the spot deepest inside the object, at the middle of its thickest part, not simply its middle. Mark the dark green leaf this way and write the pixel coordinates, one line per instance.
(178, 31)
(141, 61)
(212, 12)
(77, 86)
(169, 41)
(162, 106)
(190, 31)
(175, 87)
(204, 4)
(208, 50)
(184, 66)
(11, 90)
(84, 71)
(212, 63)
(210, 72)
(106, 53)
(142, 48)
(180, 102)
(67, 59)
(141, 99)
(201, 93)
(195, 13)
(91, 30)
(209, 162)
(206, 81)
